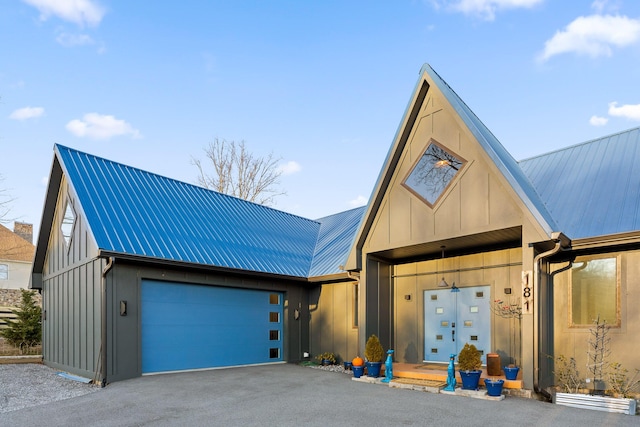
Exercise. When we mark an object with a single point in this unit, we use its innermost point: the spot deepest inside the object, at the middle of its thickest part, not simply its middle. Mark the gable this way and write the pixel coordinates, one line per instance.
(488, 193)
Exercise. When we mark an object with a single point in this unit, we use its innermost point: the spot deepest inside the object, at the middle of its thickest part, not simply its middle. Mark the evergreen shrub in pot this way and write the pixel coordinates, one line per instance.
(374, 353)
(469, 366)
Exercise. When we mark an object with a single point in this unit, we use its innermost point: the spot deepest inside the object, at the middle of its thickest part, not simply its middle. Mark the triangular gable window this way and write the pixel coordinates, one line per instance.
(433, 172)
(68, 223)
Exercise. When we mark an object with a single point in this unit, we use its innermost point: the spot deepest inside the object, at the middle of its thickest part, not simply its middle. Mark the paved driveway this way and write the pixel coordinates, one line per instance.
(291, 395)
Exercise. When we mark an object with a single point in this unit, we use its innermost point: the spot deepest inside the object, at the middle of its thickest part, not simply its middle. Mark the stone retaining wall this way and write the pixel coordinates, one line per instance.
(12, 298)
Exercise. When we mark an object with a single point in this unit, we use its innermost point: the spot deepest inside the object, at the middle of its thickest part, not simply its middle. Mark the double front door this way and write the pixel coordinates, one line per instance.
(453, 317)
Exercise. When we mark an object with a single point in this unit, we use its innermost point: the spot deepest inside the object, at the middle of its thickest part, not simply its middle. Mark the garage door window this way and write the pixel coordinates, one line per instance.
(274, 353)
(274, 299)
(274, 317)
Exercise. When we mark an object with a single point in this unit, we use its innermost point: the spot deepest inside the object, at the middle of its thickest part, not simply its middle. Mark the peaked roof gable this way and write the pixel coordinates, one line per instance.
(591, 189)
(133, 212)
(505, 163)
(498, 154)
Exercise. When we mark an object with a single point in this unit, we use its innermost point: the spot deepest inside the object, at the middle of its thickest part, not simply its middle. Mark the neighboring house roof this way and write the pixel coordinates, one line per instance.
(335, 239)
(133, 212)
(591, 189)
(14, 247)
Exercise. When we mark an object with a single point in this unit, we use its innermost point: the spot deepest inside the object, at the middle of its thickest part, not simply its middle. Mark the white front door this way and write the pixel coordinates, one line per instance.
(452, 319)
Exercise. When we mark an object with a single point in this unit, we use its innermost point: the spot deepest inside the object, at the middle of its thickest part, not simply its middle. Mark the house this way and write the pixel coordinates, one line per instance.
(16, 256)
(143, 274)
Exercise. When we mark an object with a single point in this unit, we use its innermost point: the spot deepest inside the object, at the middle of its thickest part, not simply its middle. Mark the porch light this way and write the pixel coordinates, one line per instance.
(454, 288)
(443, 284)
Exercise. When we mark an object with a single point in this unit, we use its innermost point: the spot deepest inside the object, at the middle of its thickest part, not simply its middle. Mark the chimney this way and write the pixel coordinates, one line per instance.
(24, 230)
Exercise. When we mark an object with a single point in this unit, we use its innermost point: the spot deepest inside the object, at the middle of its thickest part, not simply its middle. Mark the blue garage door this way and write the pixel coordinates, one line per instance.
(188, 326)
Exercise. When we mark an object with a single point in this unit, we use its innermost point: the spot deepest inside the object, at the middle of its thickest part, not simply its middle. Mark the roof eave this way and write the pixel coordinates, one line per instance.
(153, 261)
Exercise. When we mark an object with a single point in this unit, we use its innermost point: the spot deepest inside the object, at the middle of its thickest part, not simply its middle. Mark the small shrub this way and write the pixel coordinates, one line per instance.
(327, 356)
(567, 375)
(619, 381)
(26, 330)
(469, 358)
(373, 350)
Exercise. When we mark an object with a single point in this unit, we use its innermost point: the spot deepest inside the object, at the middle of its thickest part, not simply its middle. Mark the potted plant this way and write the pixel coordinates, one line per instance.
(326, 358)
(511, 310)
(374, 353)
(469, 364)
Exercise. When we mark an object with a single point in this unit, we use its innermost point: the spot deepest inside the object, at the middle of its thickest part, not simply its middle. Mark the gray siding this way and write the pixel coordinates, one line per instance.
(71, 296)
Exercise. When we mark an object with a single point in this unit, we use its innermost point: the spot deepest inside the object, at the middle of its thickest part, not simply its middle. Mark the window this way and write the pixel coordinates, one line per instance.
(594, 291)
(68, 223)
(433, 173)
(274, 299)
(4, 272)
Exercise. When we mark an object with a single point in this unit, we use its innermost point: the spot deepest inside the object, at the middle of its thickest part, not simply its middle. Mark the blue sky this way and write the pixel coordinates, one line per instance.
(321, 84)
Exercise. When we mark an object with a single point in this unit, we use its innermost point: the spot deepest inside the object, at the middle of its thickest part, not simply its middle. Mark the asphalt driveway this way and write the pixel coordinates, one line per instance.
(291, 395)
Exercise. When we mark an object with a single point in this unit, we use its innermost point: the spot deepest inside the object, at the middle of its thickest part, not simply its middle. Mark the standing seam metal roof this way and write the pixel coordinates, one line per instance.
(134, 212)
(591, 189)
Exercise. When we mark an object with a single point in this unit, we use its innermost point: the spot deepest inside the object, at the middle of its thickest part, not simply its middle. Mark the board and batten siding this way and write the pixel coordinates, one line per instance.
(332, 326)
(71, 327)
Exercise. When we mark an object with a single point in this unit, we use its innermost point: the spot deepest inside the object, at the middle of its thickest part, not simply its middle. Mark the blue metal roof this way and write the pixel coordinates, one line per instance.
(498, 154)
(591, 189)
(336, 237)
(130, 211)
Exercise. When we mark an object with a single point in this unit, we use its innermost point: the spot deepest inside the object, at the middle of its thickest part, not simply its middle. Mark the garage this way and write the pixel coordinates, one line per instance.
(188, 326)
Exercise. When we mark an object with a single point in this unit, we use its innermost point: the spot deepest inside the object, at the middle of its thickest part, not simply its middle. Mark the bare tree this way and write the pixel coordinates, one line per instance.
(237, 172)
(5, 202)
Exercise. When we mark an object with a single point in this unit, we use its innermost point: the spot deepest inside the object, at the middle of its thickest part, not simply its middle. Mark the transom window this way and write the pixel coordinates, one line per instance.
(433, 173)
(594, 291)
(68, 223)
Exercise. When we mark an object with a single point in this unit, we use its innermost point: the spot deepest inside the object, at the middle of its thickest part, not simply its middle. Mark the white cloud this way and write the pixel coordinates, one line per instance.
(99, 126)
(629, 111)
(358, 201)
(485, 8)
(290, 168)
(27, 113)
(70, 40)
(80, 12)
(601, 5)
(593, 35)
(598, 121)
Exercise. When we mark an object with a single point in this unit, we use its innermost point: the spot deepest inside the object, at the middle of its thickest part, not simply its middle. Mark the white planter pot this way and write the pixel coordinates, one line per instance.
(597, 403)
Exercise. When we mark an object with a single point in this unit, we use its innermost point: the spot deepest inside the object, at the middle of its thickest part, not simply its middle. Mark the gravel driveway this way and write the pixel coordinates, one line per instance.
(28, 384)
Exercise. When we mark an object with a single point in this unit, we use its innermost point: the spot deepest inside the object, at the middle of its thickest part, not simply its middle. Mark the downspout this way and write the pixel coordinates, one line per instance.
(103, 345)
(536, 313)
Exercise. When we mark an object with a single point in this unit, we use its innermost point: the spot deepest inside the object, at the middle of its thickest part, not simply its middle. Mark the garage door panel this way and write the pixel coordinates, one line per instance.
(187, 326)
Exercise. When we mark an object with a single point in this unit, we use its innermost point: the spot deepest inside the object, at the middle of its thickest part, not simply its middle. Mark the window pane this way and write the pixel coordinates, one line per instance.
(433, 173)
(274, 317)
(274, 299)
(594, 291)
(68, 221)
(4, 271)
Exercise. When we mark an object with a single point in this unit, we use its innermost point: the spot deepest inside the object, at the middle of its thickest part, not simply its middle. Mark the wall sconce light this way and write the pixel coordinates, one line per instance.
(454, 288)
(123, 308)
(407, 297)
(443, 284)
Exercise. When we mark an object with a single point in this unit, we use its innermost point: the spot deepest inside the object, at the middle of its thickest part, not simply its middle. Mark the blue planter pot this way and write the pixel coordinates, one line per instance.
(347, 366)
(494, 387)
(373, 369)
(511, 373)
(470, 379)
(357, 371)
